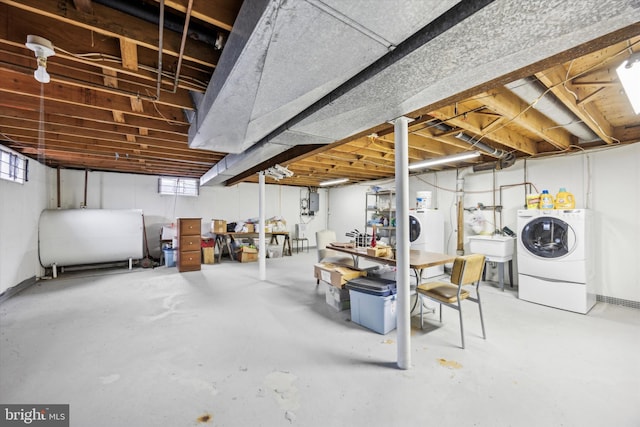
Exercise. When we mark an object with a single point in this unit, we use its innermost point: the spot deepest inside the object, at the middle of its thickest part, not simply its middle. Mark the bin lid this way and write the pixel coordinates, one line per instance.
(372, 286)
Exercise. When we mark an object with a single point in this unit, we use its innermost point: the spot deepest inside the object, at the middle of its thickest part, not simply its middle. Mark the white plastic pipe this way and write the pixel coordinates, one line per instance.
(262, 253)
(401, 138)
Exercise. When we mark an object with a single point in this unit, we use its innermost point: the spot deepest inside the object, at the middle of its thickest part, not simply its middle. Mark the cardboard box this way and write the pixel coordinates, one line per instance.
(336, 275)
(250, 228)
(247, 254)
(168, 232)
(218, 226)
(208, 255)
(380, 251)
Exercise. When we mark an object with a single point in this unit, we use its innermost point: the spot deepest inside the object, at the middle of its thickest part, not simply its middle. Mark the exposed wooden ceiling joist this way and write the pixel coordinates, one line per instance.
(101, 99)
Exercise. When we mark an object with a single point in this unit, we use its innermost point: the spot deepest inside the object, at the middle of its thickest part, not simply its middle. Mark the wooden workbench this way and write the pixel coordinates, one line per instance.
(225, 241)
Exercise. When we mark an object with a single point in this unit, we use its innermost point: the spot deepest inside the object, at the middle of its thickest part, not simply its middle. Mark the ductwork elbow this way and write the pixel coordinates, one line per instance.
(506, 161)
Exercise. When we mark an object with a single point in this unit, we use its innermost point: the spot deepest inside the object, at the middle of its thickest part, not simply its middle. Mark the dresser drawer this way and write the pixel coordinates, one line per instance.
(189, 226)
(189, 260)
(189, 243)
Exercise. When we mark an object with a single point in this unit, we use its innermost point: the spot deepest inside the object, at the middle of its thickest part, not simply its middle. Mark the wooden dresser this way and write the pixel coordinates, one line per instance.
(188, 253)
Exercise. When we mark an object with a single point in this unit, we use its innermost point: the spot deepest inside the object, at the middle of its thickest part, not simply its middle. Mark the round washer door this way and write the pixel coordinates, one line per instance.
(548, 237)
(414, 228)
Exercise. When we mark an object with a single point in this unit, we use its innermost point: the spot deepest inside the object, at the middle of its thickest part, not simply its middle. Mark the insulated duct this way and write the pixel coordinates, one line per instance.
(533, 92)
(505, 159)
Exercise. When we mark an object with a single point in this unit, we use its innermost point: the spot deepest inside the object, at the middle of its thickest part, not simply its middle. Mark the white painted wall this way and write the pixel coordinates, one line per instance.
(606, 181)
(20, 209)
(233, 204)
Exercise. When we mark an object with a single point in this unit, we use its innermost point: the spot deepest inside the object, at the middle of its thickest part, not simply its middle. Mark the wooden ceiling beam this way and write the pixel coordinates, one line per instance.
(161, 149)
(87, 115)
(81, 127)
(500, 135)
(110, 77)
(100, 164)
(129, 54)
(509, 105)
(85, 98)
(112, 23)
(554, 78)
(450, 143)
(111, 84)
(84, 50)
(107, 150)
(360, 165)
(221, 13)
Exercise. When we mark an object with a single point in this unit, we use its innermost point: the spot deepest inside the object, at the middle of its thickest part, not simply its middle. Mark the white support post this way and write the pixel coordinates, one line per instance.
(54, 269)
(401, 137)
(130, 263)
(262, 253)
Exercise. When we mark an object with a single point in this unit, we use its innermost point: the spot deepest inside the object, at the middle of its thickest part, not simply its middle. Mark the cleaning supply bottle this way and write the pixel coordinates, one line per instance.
(565, 200)
(546, 200)
(373, 238)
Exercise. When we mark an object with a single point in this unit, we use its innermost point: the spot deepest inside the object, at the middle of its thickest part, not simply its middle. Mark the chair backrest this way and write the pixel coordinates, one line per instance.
(323, 238)
(467, 269)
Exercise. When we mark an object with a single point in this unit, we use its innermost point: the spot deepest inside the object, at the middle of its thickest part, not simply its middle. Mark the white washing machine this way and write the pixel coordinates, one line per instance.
(426, 233)
(555, 258)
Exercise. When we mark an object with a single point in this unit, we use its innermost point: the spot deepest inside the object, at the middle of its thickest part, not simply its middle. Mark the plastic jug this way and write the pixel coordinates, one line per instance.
(546, 200)
(565, 200)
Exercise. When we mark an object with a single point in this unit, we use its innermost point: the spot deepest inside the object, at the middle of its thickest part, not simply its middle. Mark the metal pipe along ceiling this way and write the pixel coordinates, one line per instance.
(505, 158)
(182, 44)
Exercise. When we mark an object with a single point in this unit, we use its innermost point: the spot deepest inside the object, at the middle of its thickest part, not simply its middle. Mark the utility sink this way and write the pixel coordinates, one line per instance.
(494, 247)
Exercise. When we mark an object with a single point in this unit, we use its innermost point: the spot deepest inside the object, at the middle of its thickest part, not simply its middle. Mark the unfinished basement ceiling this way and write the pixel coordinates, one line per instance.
(311, 84)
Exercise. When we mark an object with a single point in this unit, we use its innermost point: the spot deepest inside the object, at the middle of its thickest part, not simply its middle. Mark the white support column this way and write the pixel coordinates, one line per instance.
(401, 137)
(262, 254)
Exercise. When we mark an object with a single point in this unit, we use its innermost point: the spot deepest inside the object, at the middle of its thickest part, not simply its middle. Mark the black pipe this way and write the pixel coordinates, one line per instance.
(150, 14)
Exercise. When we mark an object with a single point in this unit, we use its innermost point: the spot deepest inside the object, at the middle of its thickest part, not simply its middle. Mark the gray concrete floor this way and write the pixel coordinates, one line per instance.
(218, 347)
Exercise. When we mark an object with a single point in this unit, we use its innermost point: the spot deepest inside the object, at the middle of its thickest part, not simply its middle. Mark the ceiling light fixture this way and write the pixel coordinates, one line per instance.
(446, 159)
(629, 75)
(334, 182)
(43, 49)
(278, 172)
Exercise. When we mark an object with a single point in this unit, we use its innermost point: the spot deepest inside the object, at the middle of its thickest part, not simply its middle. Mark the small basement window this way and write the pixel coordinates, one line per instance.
(13, 167)
(178, 186)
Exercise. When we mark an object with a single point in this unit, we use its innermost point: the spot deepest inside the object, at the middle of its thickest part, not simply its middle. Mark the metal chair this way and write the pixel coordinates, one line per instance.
(467, 270)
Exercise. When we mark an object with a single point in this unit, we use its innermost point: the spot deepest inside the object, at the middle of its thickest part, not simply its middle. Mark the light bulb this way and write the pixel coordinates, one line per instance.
(41, 74)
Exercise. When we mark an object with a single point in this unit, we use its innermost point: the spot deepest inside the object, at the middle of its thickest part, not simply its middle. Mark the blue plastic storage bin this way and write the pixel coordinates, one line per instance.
(377, 313)
(169, 257)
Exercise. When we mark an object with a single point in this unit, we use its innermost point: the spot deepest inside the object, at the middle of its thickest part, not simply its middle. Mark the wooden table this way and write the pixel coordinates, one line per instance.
(418, 260)
(225, 240)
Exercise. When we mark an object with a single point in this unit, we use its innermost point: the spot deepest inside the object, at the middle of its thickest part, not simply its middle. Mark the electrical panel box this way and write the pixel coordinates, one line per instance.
(314, 202)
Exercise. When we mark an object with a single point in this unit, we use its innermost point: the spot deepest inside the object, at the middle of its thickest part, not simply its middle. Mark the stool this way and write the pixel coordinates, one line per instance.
(500, 261)
(301, 240)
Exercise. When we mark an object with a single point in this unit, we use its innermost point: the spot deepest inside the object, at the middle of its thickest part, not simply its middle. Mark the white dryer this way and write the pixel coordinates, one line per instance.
(426, 233)
(555, 258)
